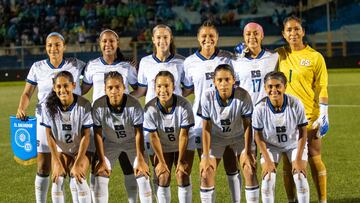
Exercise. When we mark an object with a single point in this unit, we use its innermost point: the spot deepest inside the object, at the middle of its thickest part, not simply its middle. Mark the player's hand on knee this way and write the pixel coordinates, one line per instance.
(322, 123)
(58, 170)
(78, 172)
(182, 167)
(299, 166)
(205, 166)
(248, 160)
(101, 169)
(267, 168)
(161, 169)
(141, 168)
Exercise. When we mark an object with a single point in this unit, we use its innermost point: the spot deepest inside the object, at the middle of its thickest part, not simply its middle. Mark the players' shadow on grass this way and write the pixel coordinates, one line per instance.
(343, 200)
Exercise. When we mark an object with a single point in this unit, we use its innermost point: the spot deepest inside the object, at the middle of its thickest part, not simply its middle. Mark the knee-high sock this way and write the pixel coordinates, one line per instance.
(83, 189)
(302, 188)
(131, 188)
(234, 181)
(41, 188)
(185, 194)
(318, 172)
(92, 185)
(74, 192)
(207, 194)
(252, 194)
(145, 192)
(164, 194)
(57, 191)
(101, 190)
(268, 188)
(289, 181)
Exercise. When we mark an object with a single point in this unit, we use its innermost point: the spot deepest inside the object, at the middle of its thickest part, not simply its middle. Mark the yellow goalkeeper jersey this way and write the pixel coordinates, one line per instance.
(307, 77)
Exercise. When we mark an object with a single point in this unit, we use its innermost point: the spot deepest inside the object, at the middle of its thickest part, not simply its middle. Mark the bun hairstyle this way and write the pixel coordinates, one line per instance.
(113, 75)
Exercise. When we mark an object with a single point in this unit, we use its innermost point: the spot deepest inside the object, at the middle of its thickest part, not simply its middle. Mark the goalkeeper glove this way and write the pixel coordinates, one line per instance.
(241, 49)
(322, 123)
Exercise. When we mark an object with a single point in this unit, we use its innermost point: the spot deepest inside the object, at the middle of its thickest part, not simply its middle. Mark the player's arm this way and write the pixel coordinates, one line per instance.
(268, 166)
(85, 88)
(161, 167)
(141, 168)
(84, 144)
(247, 134)
(299, 166)
(25, 100)
(58, 168)
(78, 171)
(139, 92)
(101, 167)
(183, 142)
(187, 91)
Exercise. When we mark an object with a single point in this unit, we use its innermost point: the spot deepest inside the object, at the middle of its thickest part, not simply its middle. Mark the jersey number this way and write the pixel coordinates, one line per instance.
(282, 137)
(120, 134)
(171, 137)
(68, 138)
(256, 85)
(290, 75)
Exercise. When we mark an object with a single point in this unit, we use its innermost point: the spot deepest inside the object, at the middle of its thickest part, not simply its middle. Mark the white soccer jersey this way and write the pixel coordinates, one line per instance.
(168, 125)
(280, 129)
(42, 72)
(226, 119)
(150, 66)
(67, 126)
(199, 73)
(250, 72)
(96, 69)
(118, 124)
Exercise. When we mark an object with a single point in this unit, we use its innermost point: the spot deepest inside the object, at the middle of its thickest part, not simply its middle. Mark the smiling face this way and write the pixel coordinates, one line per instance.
(164, 88)
(114, 89)
(293, 33)
(208, 38)
(253, 37)
(64, 88)
(162, 40)
(108, 44)
(55, 48)
(224, 82)
(275, 89)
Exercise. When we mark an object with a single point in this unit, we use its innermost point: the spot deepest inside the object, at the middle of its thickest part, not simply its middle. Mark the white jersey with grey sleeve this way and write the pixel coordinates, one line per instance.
(118, 124)
(168, 124)
(96, 69)
(67, 126)
(250, 72)
(150, 66)
(226, 119)
(280, 128)
(199, 73)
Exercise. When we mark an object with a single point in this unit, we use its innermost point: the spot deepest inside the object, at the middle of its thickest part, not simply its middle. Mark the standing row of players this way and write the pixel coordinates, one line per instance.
(218, 125)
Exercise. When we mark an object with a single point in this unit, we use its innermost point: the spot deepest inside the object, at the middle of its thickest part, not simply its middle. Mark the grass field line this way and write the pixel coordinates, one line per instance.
(345, 85)
(4, 144)
(345, 105)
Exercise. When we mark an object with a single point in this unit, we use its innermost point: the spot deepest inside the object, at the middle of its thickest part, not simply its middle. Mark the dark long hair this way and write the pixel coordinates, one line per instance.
(275, 75)
(119, 55)
(210, 24)
(113, 75)
(172, 47)
(52, 100)
(225, 67)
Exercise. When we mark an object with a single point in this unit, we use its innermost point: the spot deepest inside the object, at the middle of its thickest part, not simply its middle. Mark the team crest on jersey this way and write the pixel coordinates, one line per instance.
(169, 129)
(255, 73)
(305, 62)
(66, 127)
(209, 76)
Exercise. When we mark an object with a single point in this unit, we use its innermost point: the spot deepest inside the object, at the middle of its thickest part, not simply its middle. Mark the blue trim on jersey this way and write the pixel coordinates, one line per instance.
(303, 124)
(220, 102)
(87, 126)
(166, 60)
(203, 117)
(211, 57)
(272, 107)
(105, 63)
(141, 85)
(71, 106)
(122, 105)
(87, 83)
(187, 87)
(258, 129)
(247, 115)
(46, 126)
(161, 108)
(31, 82)
(262, 52)
(149, 130)
(187, 126)
(97, 126)
(53, 67)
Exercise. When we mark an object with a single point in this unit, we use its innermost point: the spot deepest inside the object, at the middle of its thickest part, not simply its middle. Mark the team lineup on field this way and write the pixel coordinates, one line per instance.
(250, 101)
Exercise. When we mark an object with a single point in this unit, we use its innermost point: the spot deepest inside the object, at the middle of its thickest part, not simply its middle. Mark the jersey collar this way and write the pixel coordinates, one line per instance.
(162, 108)
(220, 102)
(166, 60)
(272, 107)
(104, 62)
(71, 106)
(122, 105)
(258, 56)
(205, 59)
(53, 67)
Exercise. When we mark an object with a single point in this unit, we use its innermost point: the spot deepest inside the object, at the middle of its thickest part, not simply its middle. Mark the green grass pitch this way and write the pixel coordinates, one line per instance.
(341, 148)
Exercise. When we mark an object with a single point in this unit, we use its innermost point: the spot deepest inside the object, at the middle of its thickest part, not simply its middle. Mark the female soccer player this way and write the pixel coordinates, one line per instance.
(199, 71)
(279, 124)
(168, 118)
(120, 117)
(226, 112)
(111, 60)
(40, 75)
(67, 119)
(307, 77)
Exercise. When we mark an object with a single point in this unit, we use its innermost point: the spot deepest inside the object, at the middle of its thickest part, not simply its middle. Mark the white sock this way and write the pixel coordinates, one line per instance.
(185, 193)
(57, 191)
(74, 192)
(92, 185)
(101, 190)
(163, 194)
(268, 188)
(145, 192)
(41, 188)
(252, 194)
(234, 181)
(131, 188)
(83, 189)
(302, 188)
(207, 194)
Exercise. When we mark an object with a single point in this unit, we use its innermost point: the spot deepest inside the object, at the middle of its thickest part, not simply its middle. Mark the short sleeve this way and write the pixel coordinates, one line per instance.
(132, 76)
(141, 78)
(138, 115)
(31, 77)
(149, 122)
(87, 121)
(257, 120)
(321, 77)
(204, 107)
(187, 116)
(247, 106)
(88, 75)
